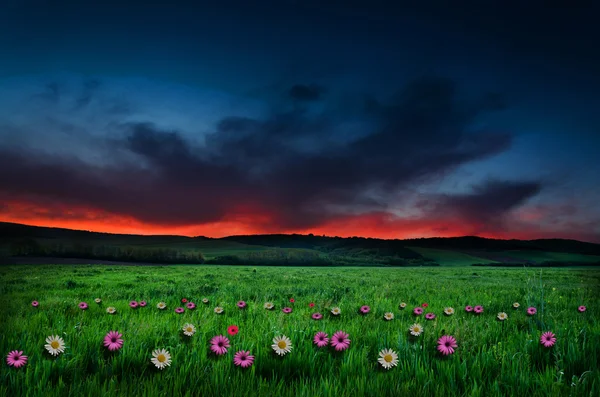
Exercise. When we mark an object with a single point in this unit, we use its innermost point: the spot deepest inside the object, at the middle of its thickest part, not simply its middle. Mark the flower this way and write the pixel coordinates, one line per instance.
(402, 306)
(189, 329)
(340, 341)
(416, 329)
(98, 300)
(292, 300)
(429, 316)
(143, 303)
(581, 309)
(282, 345)
(16, 359)
(287, 310)
(269, 305)
(531, 311)
(311, 305)
(190, 305)
(241, 304)
(365, 309)
(83, 306)
(205, 301)
(425, 304)
(113, 340)
(336, 311)
(321, 339)
(516, 305)
(161, 358)
(417, 311)
(388, 316)
(34, 304)
(233, 330)
(219, 345)
(548, 339)
(468, 308)
(111, 310)
(55, 345)
(161, 305)
(502, 316)
(218, 310)
(133, 304)
(243, 359)
(448, 311)
(184, 300)
(179, 310)
(446, 345)
(478, 309)
(317, 316)
(388, 358)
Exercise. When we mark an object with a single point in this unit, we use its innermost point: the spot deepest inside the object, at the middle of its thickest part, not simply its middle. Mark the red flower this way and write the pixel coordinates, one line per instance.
(425, 304)
(183, 300)
(311, 304)
(232, 330)
(292, 300)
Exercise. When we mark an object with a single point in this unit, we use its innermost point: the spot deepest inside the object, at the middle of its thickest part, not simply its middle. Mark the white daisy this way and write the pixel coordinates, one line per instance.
(388, 316)
(336, 311)
(161, 358)
(282, 345)
(97, 300)
(388, 358)
(502, 316)
(111, 310)
(416, 329)
(516, 305)
(205, 301)
(161, 305)
(189, 329)
(55, 345)
(218, 310)
(449, 311)
(269, 305)
(402, 305)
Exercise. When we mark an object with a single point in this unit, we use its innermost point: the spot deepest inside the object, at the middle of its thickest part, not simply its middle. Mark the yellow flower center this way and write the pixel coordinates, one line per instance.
(189, 329)
(388, 358)
(161, 358)
(55, 344)
(281, 344)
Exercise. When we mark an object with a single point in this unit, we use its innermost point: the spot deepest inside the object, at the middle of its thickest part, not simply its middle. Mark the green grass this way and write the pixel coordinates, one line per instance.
(450, 258)
(492, 359)
(542, 256)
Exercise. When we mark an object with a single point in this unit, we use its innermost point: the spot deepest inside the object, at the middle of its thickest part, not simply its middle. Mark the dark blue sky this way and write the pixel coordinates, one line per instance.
(343, 118)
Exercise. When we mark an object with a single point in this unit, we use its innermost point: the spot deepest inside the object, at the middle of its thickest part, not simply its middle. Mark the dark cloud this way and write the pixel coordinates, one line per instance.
(88, 90)
(303, 92)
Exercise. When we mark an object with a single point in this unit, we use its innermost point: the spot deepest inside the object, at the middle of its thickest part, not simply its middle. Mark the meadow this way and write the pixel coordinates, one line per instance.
(493, 358)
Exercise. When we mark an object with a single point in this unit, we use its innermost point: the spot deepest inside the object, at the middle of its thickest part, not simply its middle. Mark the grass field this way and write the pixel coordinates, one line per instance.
(450, 258)
(492, 358)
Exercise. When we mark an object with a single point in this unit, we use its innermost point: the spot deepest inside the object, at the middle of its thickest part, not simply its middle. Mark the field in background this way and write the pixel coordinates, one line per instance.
(492, 358)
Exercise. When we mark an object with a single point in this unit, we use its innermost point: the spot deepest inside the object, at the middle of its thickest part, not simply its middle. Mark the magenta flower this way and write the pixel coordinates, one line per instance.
(478, 309)
(83, 306)
(317, 316)
(430, 316)
(243, 359)
(468, 309)
(191, 305)
(531, 311)
(179, 310)
(16, 359)
(287, 310)
(34, 304)
(581, 309)
(321, 339)
(241, 304)
(143, 304)
(113, 340)
(340, 341)
(446, 345)
(219, 345)
(417, 311)
(548, 339)
(133, 304)
(365, 309)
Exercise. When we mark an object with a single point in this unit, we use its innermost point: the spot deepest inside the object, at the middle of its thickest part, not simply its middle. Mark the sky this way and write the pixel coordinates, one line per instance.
(342, 118)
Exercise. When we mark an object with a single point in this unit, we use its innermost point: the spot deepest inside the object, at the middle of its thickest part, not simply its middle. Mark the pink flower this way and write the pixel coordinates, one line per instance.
(113, 340)
(241, 304)
(581, 309)
(446, 345)
(425, 304)
(321, 339)
(311, 305)
(16, 359)
(179, 310)
(243, 359)
(531, 311)
(478, 309)
(430, 316)
(287, 310)
(191, 305)
(292, 300)
(83, 306)
(143, 303)
(34, 304)
(417, 311)
(219, 345)
(133, 304)
(468, 308)
(548, 339)
(365, 309)
(340, 341)
(317, 316)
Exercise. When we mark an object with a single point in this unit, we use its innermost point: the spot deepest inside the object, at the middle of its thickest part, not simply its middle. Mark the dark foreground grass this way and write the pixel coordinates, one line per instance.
(492, 358)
